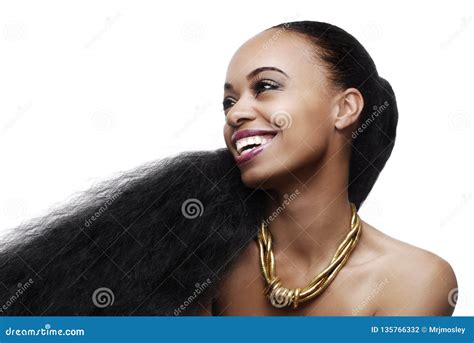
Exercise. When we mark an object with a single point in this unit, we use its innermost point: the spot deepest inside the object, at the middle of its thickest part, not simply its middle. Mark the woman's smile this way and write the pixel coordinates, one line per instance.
(250, 142)
(251, 146)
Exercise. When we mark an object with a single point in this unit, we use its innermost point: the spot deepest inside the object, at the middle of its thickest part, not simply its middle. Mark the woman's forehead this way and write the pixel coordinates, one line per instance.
(282, 50)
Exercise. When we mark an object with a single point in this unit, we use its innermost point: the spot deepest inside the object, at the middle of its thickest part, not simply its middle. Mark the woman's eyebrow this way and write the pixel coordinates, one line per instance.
(253, 73)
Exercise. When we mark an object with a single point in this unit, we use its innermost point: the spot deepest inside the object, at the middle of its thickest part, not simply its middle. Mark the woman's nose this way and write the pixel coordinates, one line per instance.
(239, 114)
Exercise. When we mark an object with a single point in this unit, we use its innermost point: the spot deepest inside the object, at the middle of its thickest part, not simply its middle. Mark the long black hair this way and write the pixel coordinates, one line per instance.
(156, 240)
(152, 241)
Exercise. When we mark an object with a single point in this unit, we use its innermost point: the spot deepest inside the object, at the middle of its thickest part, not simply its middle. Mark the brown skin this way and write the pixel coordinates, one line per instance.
(310, 156)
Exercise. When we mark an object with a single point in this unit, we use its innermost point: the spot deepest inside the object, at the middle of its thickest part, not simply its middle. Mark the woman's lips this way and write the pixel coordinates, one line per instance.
(249, 133)
(254, 152)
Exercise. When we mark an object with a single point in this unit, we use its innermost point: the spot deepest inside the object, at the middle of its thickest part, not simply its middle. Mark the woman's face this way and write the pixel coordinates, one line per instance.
(274, 84)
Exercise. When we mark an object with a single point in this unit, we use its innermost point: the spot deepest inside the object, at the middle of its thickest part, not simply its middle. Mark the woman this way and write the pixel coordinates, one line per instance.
(268, 226)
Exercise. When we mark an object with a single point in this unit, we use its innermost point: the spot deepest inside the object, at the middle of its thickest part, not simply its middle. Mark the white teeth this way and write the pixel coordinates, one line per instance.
(246, 151)
(260, 140)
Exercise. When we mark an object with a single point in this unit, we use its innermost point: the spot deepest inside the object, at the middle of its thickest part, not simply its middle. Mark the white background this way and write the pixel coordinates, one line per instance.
(90, 88)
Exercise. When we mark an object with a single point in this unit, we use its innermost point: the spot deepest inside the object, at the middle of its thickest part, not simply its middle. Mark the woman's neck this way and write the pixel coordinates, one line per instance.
(309, 220)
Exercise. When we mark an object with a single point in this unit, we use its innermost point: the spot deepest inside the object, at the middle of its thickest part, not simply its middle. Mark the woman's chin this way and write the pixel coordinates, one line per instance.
(257, 179)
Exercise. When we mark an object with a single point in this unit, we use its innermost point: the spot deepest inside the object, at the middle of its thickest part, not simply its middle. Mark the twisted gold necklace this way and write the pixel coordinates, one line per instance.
(281, 296)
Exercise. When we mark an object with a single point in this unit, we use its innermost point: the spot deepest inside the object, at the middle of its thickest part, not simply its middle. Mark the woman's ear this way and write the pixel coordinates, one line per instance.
(350, 106)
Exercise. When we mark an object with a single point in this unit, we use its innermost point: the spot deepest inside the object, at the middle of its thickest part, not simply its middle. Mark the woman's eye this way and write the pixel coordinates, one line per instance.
(265, 85)
(227, 103)
(259, 87)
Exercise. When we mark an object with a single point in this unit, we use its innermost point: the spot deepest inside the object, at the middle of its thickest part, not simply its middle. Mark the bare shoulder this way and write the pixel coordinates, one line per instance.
(418, 282)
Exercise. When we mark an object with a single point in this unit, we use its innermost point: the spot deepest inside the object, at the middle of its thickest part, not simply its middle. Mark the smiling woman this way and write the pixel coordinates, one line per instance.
(267, 226)
(306, 109)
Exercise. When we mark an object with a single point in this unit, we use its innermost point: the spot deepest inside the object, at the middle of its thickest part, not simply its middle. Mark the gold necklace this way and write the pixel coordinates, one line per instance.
(280, 296)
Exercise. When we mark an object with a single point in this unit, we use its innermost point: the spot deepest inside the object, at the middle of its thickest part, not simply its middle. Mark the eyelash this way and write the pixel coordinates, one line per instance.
(257, 81)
